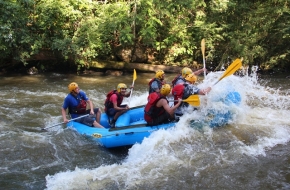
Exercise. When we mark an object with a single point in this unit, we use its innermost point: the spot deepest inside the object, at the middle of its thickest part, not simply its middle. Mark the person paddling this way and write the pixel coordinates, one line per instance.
(156, 83)
(113, 107)
(76, 102)
(184, 90)
(157, 110)
(180, 78)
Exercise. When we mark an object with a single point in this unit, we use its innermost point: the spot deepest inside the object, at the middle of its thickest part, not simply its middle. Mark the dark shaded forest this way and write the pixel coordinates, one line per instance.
(57, 34)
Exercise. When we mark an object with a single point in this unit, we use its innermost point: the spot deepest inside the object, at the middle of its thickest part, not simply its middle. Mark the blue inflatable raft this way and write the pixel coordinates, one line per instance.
(131, 127)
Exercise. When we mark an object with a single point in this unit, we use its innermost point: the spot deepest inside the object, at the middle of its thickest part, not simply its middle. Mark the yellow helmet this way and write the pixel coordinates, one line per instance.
(165, 89)
(72, 86)
(121, 85)
(185, 71)
(159, 74)
(191, 78)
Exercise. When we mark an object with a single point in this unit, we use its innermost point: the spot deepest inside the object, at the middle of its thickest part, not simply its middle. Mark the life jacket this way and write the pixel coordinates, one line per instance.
(159, 82)
(180, 91)
(178, 77)
(80, 108)
(151, 110)
(109, 104)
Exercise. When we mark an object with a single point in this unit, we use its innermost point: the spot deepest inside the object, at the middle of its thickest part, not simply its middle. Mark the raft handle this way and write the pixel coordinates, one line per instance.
(130, 133)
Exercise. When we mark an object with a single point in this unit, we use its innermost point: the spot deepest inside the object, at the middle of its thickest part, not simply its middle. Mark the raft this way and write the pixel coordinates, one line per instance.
(131, 128)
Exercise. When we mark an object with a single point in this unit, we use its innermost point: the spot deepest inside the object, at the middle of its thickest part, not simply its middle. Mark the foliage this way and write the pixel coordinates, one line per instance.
(83, 30)
(15, 35)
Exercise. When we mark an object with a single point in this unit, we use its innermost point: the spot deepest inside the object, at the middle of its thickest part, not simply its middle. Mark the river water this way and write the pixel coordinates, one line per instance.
(252, 152)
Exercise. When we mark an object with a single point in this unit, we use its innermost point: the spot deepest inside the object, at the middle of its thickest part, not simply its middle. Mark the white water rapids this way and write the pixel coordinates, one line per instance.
(249, 153)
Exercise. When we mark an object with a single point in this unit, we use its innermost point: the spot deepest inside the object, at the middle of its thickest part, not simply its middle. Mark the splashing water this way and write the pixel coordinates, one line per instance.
(182, 156)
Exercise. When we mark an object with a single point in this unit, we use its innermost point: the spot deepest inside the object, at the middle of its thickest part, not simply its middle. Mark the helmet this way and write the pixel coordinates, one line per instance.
(121, 85)
(165, 89)
(72, 86)
(191, 78)
(185, 71)
(159, 74)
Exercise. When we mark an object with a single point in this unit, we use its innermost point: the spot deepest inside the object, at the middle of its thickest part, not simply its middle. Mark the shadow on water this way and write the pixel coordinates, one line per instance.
(120, 152)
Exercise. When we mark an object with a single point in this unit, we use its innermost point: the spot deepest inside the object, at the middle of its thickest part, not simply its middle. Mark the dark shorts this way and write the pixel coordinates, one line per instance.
(89, 120)
(112, 111)
(163, 118)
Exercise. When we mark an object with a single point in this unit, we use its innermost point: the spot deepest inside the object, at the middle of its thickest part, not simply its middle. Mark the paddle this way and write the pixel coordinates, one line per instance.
(203, 50)
(64, 122)
(231, 69)
(134, 78)
(192, 100)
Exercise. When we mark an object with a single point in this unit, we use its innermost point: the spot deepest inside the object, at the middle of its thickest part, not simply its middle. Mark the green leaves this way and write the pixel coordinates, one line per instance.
(82, 30)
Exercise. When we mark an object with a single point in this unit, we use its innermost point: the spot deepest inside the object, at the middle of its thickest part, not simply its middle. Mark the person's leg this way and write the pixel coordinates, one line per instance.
(98, 114)
(111, 113)
(118, 114)
(163, 118)
(91, 120)
(98, 125)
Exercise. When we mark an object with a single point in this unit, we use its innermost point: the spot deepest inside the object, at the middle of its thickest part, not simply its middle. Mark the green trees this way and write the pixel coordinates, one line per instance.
(13, 29)
(254, 30)
(166, 32)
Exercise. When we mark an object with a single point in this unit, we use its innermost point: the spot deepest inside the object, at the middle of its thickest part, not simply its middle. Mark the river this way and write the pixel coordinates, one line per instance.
(252, 152)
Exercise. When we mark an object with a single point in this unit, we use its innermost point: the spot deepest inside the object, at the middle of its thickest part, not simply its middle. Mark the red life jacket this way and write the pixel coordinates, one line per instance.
(177, 92)
(80, 108)
(151, 110)
(109, 104)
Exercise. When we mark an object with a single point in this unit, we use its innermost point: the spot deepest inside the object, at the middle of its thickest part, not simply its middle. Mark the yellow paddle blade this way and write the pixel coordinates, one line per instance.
(134, 78)
(202, 47)
(192, 100)
(134, 75)
(231, 69)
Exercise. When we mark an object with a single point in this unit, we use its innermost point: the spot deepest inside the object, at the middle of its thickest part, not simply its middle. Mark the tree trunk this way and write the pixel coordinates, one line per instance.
(130, 66)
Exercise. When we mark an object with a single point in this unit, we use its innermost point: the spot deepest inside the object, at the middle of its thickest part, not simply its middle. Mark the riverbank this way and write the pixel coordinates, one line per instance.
(97, 66)
(116, 68)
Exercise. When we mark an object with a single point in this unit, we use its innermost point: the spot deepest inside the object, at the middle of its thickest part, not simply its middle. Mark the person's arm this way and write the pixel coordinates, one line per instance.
(113, 99)
(128, 93)
(166, 106)
(198, 72)
(65, 106)
(91, 107)
(204, 91)
(120, 108)
(63, 113)
(88, 101)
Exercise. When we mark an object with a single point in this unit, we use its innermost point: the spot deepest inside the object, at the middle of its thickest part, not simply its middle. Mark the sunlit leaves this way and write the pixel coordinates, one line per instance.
(81, 30)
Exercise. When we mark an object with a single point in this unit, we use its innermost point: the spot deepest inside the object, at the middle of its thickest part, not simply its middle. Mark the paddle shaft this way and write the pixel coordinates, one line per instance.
(192, 100)
(131, 92)
(203, 52)
(64, 122)
(134, 78)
